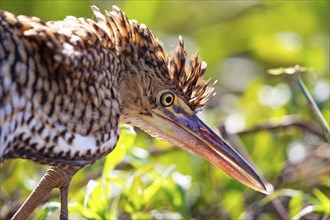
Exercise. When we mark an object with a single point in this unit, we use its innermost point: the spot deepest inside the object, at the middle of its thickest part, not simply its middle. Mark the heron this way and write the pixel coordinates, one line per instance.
(66, 85)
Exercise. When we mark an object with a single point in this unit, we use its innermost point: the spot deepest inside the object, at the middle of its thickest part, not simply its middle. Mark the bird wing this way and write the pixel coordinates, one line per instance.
(58, 90)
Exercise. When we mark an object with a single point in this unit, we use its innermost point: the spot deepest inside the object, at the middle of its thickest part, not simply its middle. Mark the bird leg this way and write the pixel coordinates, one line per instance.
(55, 177)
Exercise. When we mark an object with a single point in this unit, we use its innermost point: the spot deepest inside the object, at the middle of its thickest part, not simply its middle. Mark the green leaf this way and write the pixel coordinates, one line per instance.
(134, 189)
(92, 184)
(324, 205)
(295, 204)
(114, 208)
(126, 141)
(47, 210)
(157, 184)
(290, 70)
(233, 202)
(303, 212)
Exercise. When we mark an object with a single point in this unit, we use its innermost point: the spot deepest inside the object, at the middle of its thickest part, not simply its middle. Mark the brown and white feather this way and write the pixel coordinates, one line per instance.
(65, 85)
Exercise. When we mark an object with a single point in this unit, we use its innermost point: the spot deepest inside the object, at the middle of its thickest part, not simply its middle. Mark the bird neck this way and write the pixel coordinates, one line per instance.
(135, 90)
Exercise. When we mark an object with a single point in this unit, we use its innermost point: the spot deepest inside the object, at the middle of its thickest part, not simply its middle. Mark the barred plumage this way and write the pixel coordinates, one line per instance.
(65, 85)
(58, 98)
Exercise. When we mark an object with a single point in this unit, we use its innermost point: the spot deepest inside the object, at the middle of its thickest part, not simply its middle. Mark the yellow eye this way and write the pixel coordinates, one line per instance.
(167, 99)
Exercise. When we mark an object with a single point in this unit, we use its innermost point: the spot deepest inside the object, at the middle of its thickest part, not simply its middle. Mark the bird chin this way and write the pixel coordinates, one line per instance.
(156, 127)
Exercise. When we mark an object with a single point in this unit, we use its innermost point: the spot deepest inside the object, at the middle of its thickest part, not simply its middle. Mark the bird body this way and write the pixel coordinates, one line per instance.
(58, 95)
(61, 79)
(66, 85)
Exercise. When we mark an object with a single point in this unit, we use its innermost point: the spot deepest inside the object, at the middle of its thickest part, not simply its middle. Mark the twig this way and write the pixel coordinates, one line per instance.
(316, 110)
(288, 121)
(279, 209)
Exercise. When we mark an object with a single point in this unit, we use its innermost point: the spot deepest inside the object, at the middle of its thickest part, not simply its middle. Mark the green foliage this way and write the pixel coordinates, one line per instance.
(295, 205)
(268, 118)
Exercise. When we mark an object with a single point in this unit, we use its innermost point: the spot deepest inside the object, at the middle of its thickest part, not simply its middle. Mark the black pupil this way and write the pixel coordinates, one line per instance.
(168, 99)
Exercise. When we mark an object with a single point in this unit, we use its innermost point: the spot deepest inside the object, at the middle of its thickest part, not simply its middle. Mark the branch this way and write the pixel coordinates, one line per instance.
(286, 122)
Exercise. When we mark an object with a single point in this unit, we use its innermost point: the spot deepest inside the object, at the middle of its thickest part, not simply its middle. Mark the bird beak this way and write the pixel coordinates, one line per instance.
(179, 125)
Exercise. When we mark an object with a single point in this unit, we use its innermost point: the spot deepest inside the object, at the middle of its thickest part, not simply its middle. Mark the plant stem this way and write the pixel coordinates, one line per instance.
(311, 102)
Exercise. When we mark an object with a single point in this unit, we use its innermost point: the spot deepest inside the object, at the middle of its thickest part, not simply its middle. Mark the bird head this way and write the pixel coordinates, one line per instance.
(162, 95)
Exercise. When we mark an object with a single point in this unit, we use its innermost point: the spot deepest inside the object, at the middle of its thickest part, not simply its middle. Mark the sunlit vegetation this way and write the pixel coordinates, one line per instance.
(265, 117)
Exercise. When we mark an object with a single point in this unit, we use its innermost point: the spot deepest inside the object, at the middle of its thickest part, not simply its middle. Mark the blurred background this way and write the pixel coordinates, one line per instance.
(265, 117)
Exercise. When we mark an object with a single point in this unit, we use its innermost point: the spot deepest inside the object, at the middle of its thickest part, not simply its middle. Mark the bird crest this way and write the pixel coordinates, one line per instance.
(127, 36)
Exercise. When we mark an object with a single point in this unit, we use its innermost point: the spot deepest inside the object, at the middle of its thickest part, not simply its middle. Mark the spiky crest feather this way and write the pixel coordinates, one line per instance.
(127, 36)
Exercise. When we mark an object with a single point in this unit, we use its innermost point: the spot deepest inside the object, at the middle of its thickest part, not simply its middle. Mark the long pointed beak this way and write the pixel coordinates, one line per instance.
(186, 130)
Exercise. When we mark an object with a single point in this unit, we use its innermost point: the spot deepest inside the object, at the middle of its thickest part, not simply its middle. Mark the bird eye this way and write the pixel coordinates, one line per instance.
(166, 99)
